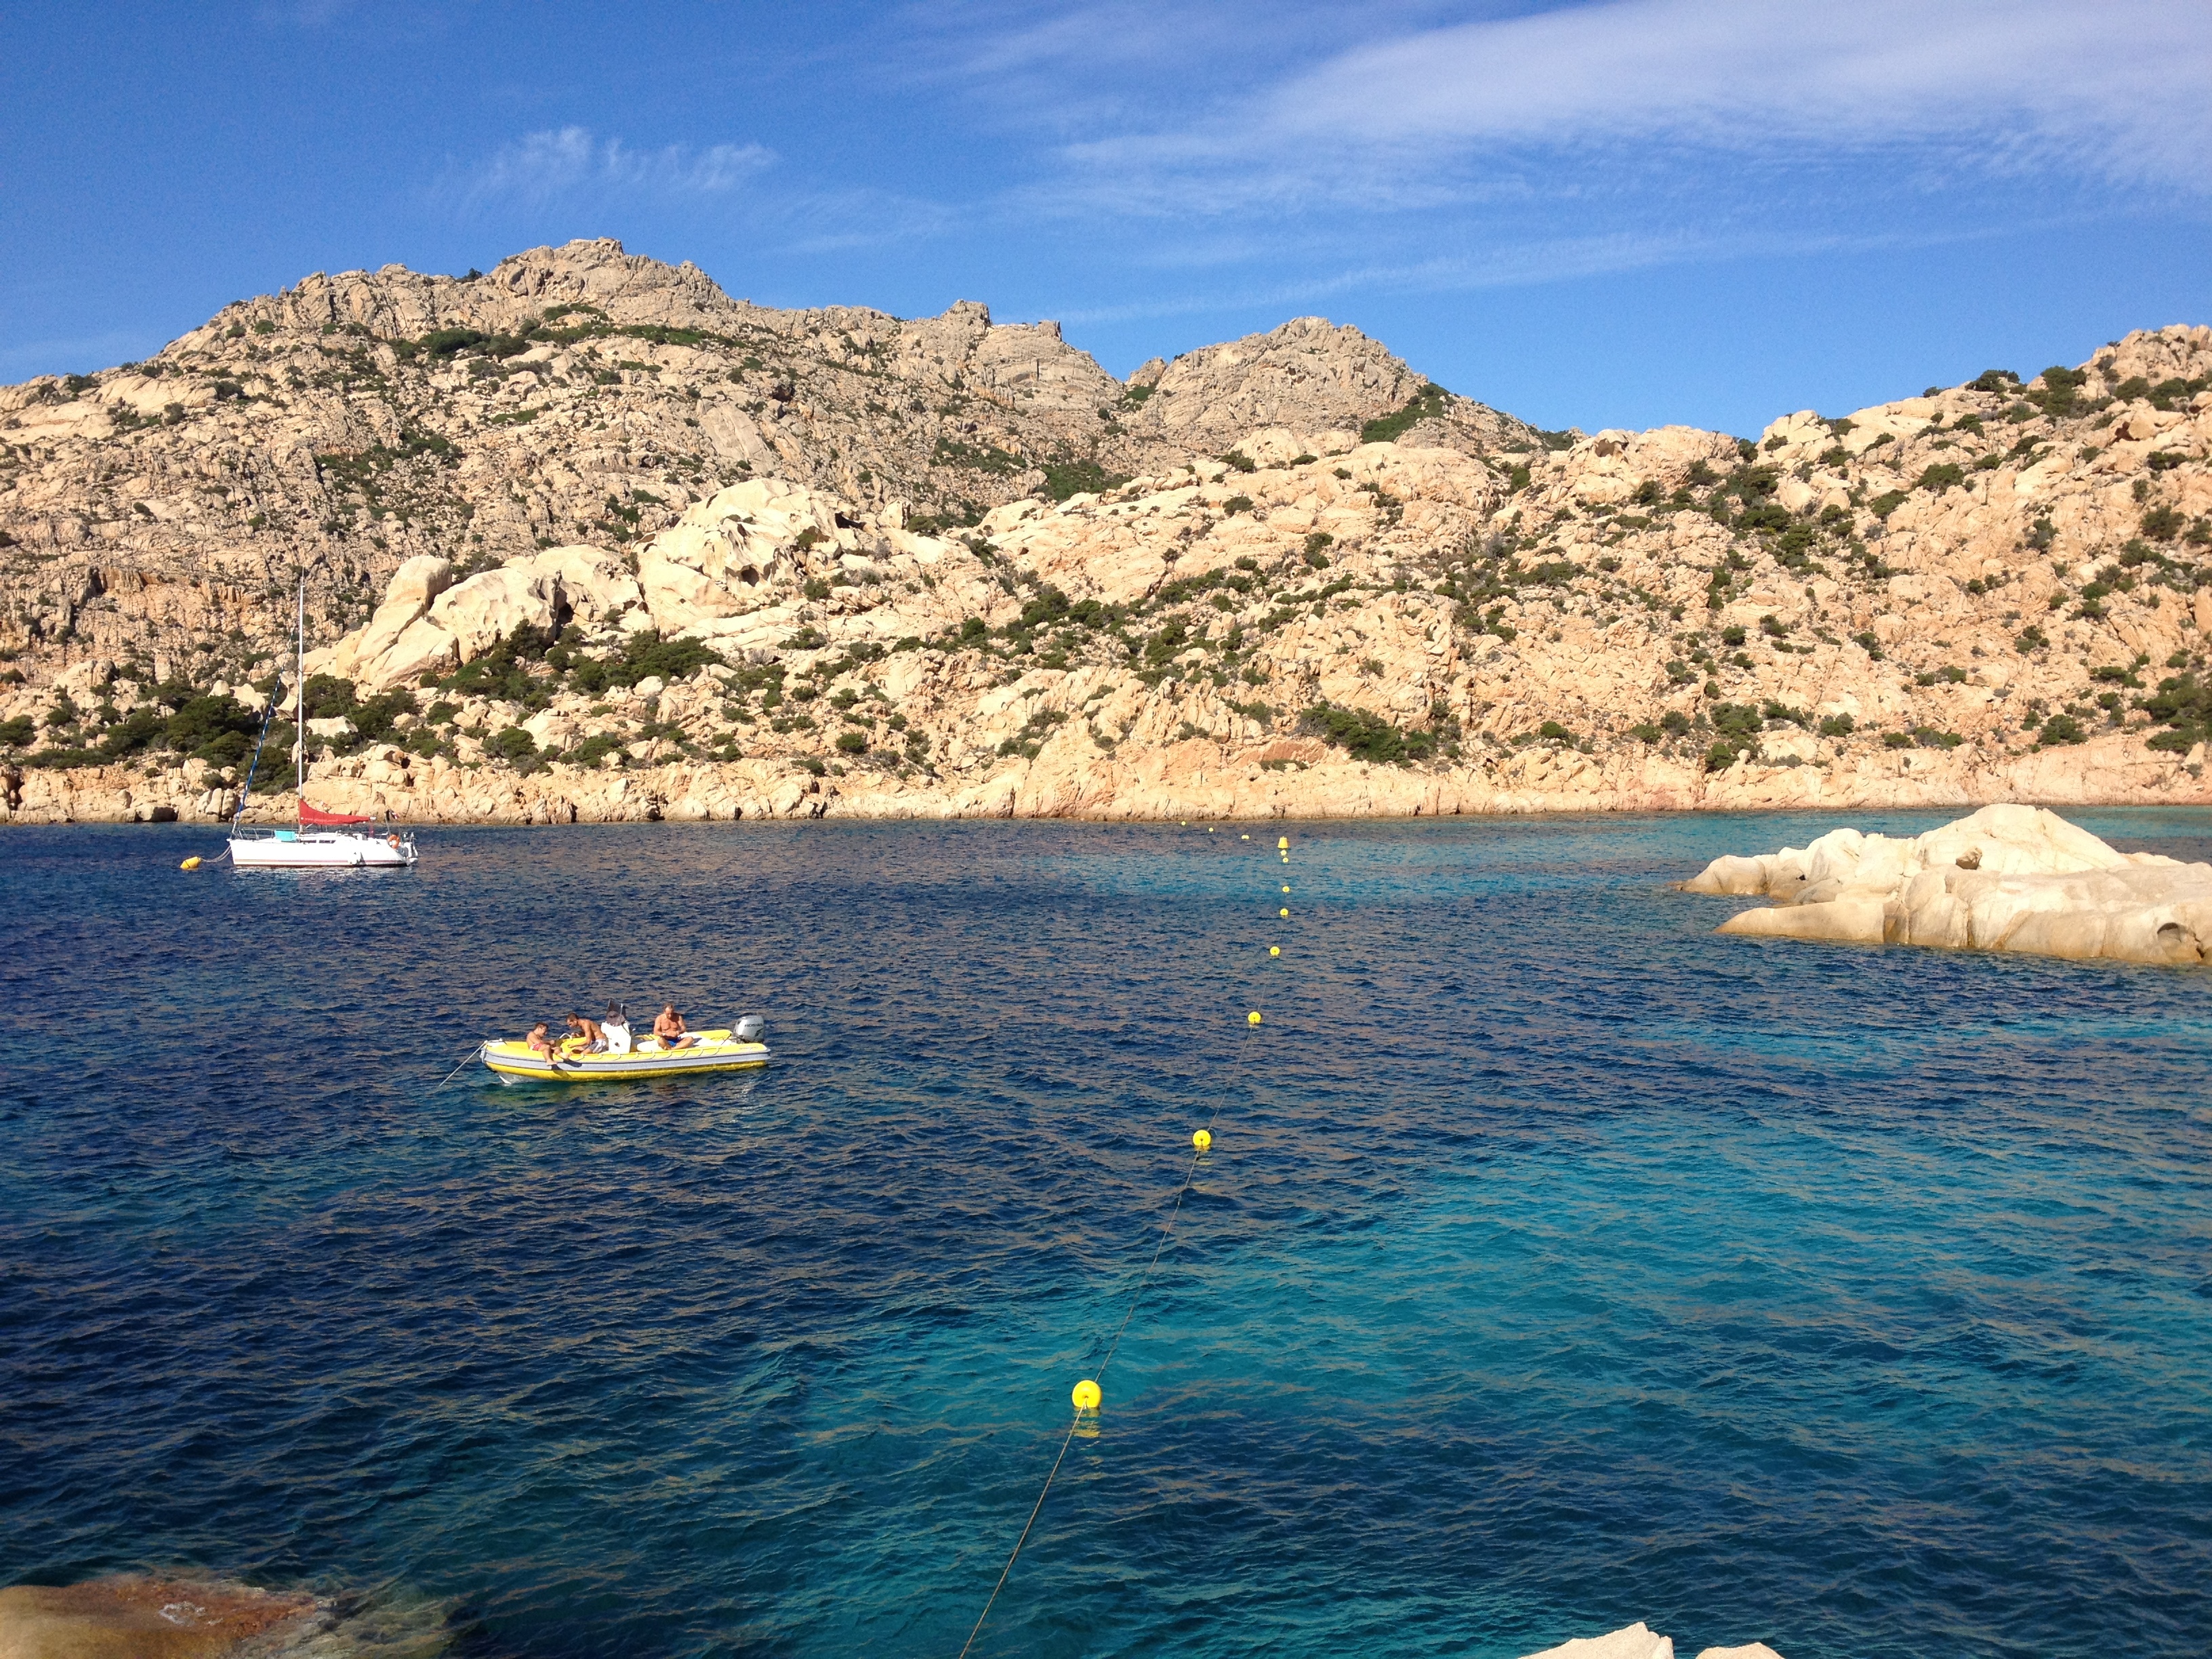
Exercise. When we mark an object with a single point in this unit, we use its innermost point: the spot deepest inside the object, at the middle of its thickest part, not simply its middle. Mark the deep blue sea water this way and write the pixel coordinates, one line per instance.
(1557, 1264)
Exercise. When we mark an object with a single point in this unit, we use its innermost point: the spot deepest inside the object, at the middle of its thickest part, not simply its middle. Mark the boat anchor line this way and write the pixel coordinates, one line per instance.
(1088, 1396)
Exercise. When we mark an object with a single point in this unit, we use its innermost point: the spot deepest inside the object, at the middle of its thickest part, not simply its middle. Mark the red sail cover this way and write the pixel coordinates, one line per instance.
(315, 815)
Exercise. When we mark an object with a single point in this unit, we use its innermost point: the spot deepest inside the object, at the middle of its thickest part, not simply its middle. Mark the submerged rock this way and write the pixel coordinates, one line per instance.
(153, 1616)
(147, 1618)
(2006, 879)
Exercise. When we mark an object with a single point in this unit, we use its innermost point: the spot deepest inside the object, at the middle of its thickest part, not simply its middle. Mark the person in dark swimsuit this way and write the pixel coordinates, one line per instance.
(669, 1028)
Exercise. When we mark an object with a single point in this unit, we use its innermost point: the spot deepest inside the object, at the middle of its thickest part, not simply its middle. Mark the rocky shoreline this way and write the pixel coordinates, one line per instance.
(1194, 780)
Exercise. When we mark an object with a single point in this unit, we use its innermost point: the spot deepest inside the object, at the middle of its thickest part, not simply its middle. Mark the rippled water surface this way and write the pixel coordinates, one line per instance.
(1557, 1264)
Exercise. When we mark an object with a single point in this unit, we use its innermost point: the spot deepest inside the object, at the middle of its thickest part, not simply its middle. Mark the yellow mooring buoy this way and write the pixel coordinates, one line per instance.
(1086, 1395)
(1274, 950)
(1202, 1139)
(191, 863)
(1283, 841)
(1284, 912)
(1252, 1018)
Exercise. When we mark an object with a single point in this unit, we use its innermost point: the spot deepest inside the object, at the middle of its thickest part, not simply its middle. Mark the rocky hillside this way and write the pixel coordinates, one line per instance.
(573, 394)
(592, 540)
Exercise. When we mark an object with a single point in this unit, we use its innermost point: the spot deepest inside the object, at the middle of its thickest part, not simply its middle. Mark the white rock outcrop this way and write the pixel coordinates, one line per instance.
(2009, 878)
(429, 623)
(1638, 1641)
(743, 549)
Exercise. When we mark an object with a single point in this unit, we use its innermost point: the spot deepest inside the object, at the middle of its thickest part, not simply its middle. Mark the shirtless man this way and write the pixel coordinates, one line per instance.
(539, 1043)
(669, 1028)
(586, 1033)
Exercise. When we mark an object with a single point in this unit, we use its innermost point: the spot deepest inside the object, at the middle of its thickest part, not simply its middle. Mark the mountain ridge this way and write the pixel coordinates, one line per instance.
(1284, 573)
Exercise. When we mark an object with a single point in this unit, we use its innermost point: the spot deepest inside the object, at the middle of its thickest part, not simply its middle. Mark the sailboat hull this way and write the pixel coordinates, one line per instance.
(321, 849)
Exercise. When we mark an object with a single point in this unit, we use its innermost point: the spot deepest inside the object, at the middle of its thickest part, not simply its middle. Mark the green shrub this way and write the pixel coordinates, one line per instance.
(2184, 706)
(1941, 477)
(1238, 461)
(1886, 503)
(1929, 737)
(1721, 757)
(1170, 640)
(1838, 725)
(218, 730)
(1645, 732)
(1553, 731)
(2162, 523)
(2061, 729)
(512, 744)
(1897, 740)
(1674, 723)
(593, 749)
(1365, 735)
(2030, 638)
(1064, 479)
(16, 733)
(852, 743)
(1431, 400)
(816, 589)
(1731, 636)
(1736, 720)
(1994, 380)
(1235, 505)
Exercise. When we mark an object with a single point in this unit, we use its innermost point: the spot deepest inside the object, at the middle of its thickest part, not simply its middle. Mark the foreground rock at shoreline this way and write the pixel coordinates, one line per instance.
(1638, 1641)
(136, 1618)
(160, 1616)
(2009, 878)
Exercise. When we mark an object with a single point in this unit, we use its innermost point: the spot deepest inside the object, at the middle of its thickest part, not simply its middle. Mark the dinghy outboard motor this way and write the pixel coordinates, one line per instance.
(750, 1029)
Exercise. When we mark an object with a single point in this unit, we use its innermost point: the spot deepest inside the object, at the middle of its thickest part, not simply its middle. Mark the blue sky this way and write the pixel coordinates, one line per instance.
(1616, 214)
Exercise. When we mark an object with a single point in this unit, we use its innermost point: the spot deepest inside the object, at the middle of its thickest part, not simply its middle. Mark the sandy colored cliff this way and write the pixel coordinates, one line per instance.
(587, 539)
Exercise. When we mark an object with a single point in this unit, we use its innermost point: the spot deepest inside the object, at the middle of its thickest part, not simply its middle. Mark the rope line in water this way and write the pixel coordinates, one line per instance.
(1167, 1231)
(1035, 1510)
(1143, 1281)
(456, 1072)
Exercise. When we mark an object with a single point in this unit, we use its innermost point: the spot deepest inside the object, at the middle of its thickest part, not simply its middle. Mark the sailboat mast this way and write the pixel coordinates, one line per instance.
(299, 697)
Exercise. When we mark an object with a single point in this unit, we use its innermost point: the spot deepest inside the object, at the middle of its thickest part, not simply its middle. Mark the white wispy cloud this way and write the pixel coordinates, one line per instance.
(567, 162)
(2114, 92)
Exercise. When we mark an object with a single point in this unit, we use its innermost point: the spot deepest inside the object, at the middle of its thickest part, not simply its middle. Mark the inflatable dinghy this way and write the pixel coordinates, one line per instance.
(570, 1063)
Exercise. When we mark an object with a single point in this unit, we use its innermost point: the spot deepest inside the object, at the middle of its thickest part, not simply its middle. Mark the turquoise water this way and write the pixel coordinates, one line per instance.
(1557, 1264)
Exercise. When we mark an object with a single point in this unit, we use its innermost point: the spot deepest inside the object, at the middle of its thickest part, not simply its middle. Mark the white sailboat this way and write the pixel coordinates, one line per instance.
(322, 841)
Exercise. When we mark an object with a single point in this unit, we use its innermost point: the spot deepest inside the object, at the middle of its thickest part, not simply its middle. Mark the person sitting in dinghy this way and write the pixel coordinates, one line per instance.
(669, 1028)
(585, 1036)
(539, 1043)
(615, 1029)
